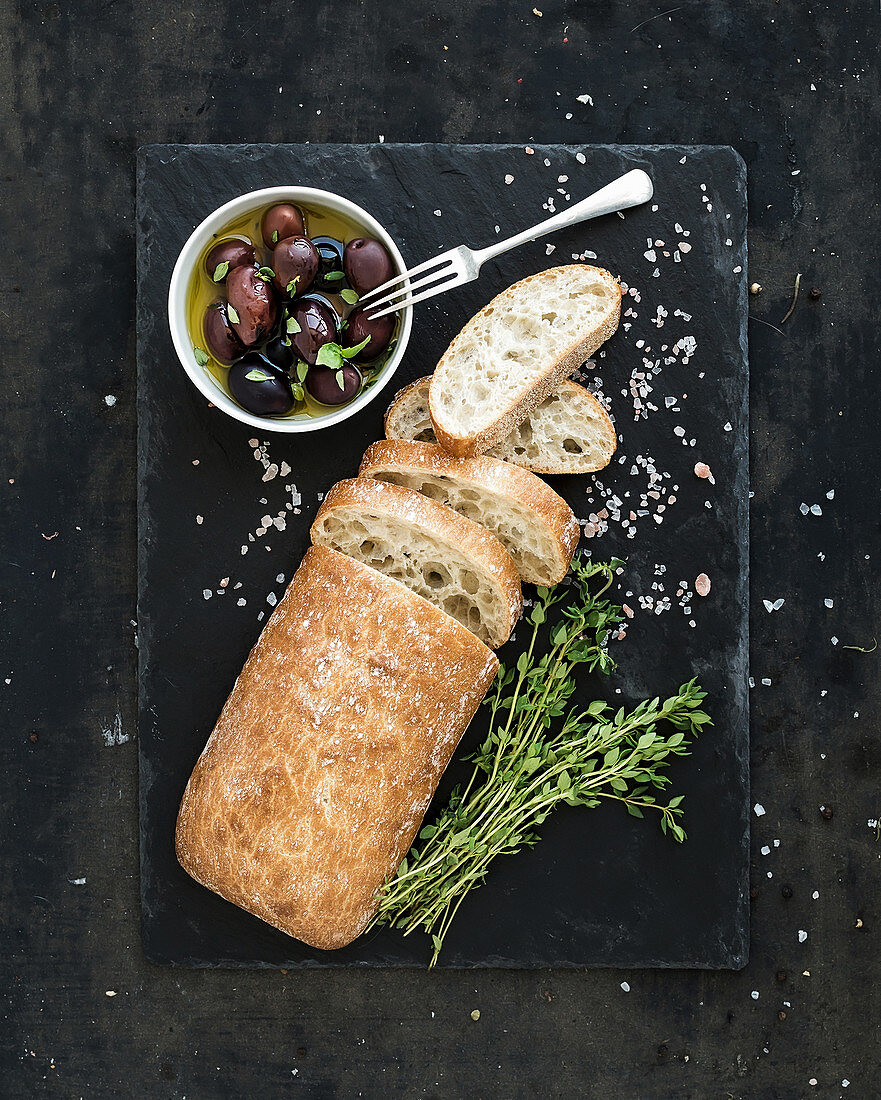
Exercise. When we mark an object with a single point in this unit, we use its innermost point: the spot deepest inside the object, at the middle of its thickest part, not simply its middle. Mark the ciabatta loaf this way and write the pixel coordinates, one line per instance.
(450, 560)
(534, 524)
(568, 433)
(516, 351)
(322, 764)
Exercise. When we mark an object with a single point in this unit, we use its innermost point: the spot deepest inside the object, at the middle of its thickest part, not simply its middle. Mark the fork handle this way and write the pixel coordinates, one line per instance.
(631, 189)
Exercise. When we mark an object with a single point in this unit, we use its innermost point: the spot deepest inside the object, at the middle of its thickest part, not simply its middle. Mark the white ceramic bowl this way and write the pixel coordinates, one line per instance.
(189, 256)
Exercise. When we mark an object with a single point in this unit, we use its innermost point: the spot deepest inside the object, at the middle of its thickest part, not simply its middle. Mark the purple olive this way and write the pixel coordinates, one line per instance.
(333, 387)
(359, 326)
(220, 337)
(259, 386)
(233, 252)
(281, 352)
(252, 307)
(317, 324)
(294, 258)
(366, 264)
(282, 221)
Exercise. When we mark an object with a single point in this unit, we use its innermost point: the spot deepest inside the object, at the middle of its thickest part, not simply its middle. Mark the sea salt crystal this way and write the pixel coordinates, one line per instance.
(828, 603)
(802, 935)
(816, 510)
(759, 810)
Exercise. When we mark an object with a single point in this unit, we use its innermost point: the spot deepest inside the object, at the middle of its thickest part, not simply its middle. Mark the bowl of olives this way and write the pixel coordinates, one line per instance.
(264, 314)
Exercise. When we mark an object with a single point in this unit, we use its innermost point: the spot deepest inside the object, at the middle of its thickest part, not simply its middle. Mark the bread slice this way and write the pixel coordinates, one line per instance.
(516, 351)
(535, 525)
(568, 433)
(449, 560)
(314, 783)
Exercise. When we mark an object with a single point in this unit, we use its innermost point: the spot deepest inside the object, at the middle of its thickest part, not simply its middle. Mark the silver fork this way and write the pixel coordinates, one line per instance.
(462, 265)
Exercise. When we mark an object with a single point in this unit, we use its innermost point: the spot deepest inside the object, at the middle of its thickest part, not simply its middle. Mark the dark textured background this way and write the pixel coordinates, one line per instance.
(601, 889)
(82, 86)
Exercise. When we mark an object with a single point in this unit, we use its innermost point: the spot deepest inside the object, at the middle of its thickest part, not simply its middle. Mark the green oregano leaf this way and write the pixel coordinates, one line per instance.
(350, 353)
(201, 356)
(266, 274)
(333, 277)
(258, 375)
(292, 285)
(340, 379)
(274, 237)
(297, 391)
(221, 272)
(232, 313)
(291, 325)
(329, 355)
(349, 296)
(302, 371)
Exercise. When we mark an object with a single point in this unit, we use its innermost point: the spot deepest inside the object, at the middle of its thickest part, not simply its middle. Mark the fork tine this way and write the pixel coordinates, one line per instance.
(438, 288)
(432, 277)
(433, 262)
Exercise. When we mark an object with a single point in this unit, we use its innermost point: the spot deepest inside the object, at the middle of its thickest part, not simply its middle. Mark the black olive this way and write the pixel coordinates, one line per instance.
(220, 337)
(233, 252)
(281, 351)
(259, 386)
(282, 221)
(295, 263)
(333, 387)
(359, 326)
(367, 264)
(317, 326)
(252, 301)
(330, 275)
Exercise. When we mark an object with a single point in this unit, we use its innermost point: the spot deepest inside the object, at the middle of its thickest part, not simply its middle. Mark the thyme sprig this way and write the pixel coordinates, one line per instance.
(541, 752)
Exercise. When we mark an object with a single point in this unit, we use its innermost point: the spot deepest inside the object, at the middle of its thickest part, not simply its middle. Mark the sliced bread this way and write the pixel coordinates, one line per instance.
(568, 433)
(451, 561)
(534, 524)
(516, 351)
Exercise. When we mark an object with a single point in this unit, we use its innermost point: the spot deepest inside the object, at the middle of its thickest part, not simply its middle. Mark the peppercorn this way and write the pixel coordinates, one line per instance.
(826, 813)
(781, 1015)
(814, 294)
(33, 738)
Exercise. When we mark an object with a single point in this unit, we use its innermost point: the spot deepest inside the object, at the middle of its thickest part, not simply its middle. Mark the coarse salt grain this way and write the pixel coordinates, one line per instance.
(702, 584)
(759, 810)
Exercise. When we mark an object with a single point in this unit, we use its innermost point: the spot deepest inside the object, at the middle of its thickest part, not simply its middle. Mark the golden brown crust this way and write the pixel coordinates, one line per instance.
(492, 475)
(559, 368)
(470, 538)
(571, 464)
(329, 748)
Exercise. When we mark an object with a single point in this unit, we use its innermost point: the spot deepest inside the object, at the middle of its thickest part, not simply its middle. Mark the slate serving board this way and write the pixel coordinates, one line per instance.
(223, 524)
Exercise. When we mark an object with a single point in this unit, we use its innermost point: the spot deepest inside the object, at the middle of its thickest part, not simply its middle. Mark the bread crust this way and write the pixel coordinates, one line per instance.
(573, 464)
(314, 782)
(556, 370)
(493, 475)
(471, 539)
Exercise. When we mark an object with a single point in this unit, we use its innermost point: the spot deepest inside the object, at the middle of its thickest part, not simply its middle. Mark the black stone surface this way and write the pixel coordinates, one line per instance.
(601, 889)
(83, 85)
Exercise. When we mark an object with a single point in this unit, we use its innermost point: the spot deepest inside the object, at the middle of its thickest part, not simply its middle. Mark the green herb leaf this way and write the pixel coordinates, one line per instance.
(292, 285)
(349, 296)
(297, 391)
(201, 356)
(232, 313)
(540, 753)
(266, 274)
(302, 371)
(221, 271)
(258, 375)
(329, 355)
(291, 325)
(340, 380)
(274, 237)
(350, 353)
(334, 276)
